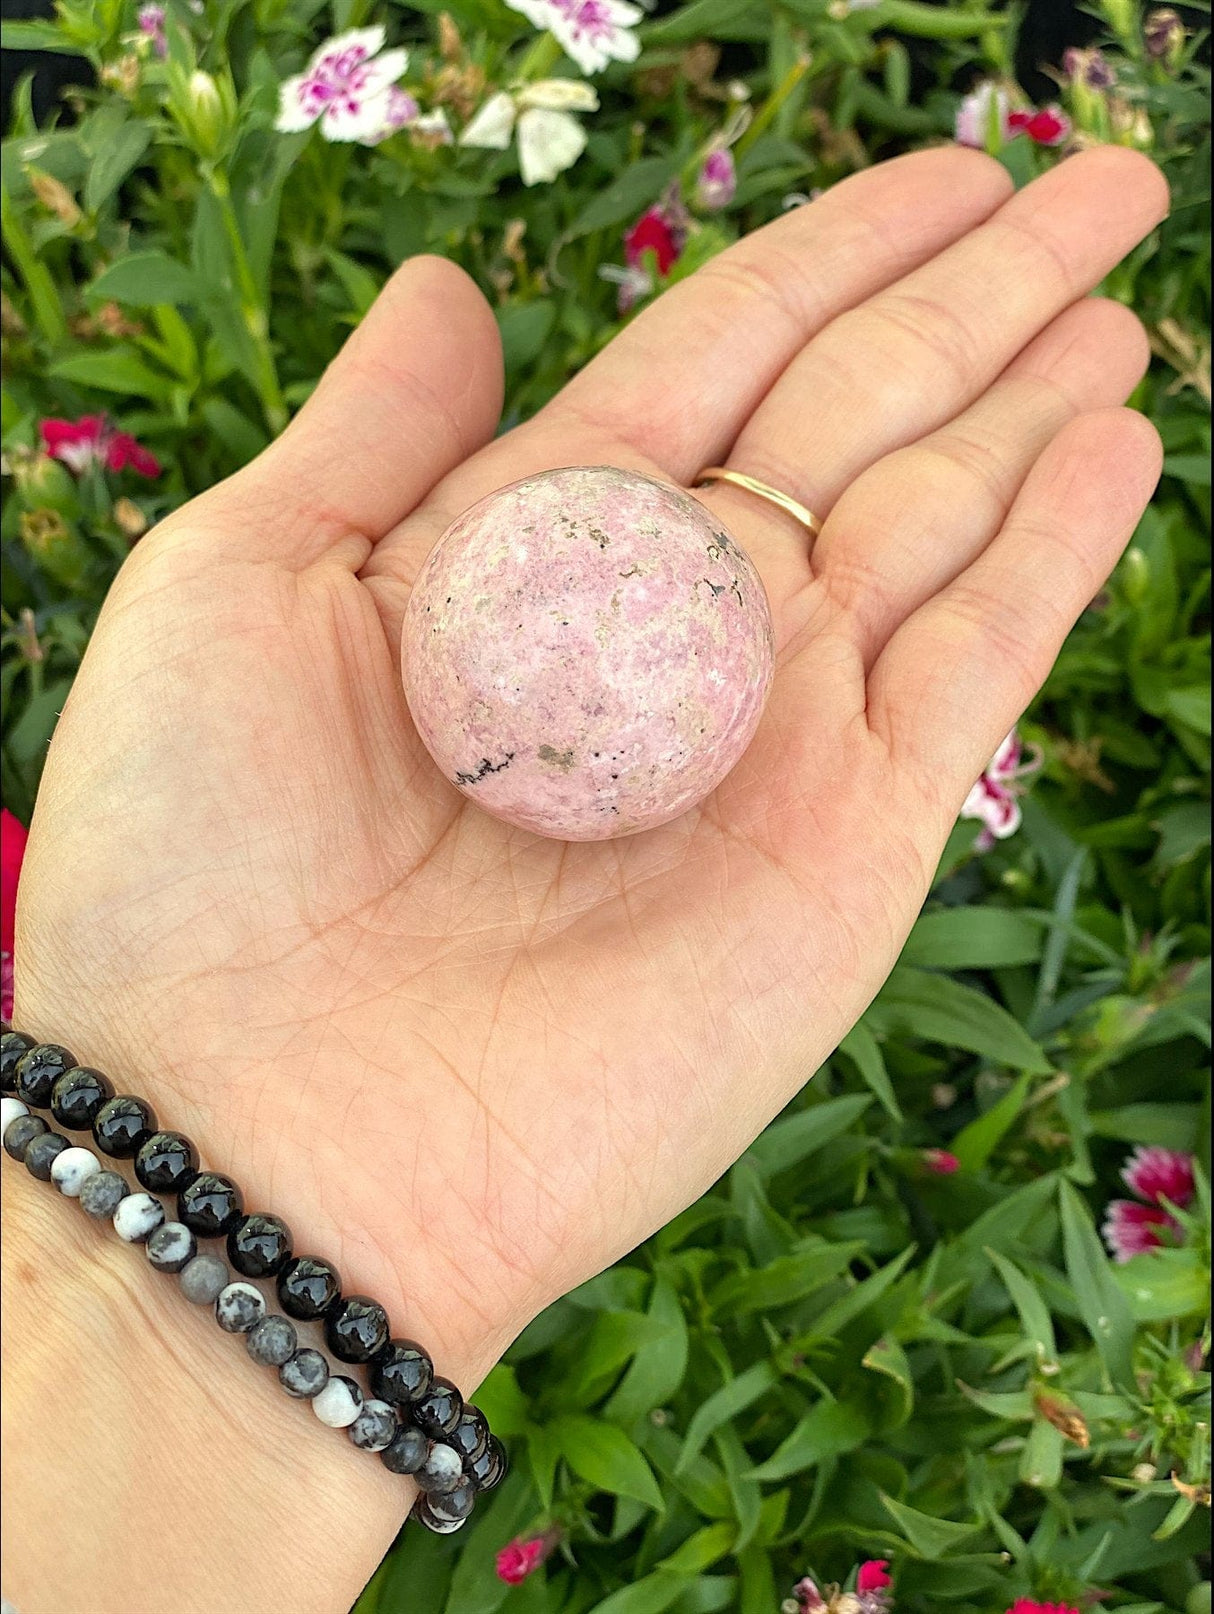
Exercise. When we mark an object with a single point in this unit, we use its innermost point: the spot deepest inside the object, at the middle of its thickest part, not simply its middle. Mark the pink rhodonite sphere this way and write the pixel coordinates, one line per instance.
(587, 653)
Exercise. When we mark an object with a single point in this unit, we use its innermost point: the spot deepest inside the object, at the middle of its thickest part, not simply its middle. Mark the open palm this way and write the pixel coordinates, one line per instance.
(471, 1065)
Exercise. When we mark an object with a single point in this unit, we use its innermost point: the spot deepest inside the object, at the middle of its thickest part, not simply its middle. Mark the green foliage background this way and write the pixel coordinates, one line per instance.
(836, 1354)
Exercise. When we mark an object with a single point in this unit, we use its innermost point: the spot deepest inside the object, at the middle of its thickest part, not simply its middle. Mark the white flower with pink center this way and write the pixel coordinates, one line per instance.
(347, 89)
(593, 33)
(993, 798)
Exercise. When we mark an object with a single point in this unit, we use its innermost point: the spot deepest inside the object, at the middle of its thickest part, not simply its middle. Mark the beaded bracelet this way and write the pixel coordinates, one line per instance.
(416, 1421)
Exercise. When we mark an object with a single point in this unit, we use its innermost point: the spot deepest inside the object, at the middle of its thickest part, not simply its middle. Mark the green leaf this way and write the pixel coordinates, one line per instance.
(784, 1281)
(114, 161)
(1027, 1299)
(973, 939)
(525, 327)
(652, 1595)
(860, 1046)
(1102, 1303)
(887, 1358)
(37, 36)
(1171, 1126)
(1163, 1285)
(1189, 706)
(1041, 1459)
(658, 1367)
(604, 1455)
(726, 1403)
(919, 1004)
(856, 1302)
(932, 1539)
(145, 278)
(625, 197)
(701, 1550)
(829, 1430)
(794, 1138)
(119, 369)
(975, 1143)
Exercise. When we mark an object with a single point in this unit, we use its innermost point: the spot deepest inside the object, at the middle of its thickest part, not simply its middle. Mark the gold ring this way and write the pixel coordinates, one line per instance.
(783, 501)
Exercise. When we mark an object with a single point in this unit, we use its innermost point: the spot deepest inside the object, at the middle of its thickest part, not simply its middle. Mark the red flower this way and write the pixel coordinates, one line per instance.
(92, 441)
(522, 1558)
(1130, 1229)
(12, 850)
(941, 1162)
(653, 232)
(1026, 1605)
(873, 1575)
(1048, 127)
(1156, 1174)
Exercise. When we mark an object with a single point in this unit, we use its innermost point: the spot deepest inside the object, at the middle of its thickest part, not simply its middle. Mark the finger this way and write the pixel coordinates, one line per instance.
(960, 671)
(914, 521)
(414, 391)
(888, 371)
(680, 381)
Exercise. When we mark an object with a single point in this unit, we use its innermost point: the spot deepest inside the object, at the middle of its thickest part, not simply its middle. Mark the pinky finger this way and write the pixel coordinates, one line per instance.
(960, 671)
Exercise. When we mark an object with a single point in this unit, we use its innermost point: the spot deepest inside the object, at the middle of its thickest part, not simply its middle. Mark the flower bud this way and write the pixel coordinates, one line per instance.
(42, 483)
(59, 550)
(718, 180)
(1164, 35)
(205, 110)
(1065, 1416)
(1135, 575)
(54, 196)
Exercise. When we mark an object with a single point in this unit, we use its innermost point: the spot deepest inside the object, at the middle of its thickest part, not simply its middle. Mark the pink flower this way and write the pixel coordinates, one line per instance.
(1130, 1229)
(346, 87)
(1156, 1174)
(1090, 67)
(808, 1596)
(1026, 1605)
(653, 232)
(993, 798)
(593, 33)
(523, 1557)
(151, 21)
(1048, 127)
(400, 110)
(941, 1162)
(718, 181)
(982, 118)
(92, 441)
(12, 850)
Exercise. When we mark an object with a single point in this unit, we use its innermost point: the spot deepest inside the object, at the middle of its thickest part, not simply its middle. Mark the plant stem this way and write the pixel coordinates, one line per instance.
(48, 310)
(541, 57)
(773, 103)
(252, 307)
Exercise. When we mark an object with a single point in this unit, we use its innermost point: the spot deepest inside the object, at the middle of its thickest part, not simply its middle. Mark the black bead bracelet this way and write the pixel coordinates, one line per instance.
(417, 1422)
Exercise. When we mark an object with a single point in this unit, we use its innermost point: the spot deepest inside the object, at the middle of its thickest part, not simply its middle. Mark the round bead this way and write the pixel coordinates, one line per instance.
(172, 1247)
(443, 1468)
(41, 1153)
(439, 1410)
(210, 1204)
(166, 1162)
(259, 1245)
(121, 1124)
(470, 1435)
(138, 1217)
(38, 1070)
(102, 1194)
(587, 653)
(425, 1512)
(305, 1374)
(77, 1096)
(406, 1452)
(13, 1045)
(21, 1132)
(339, 1403)
(308, 1287)
(454, 1506)
(272, 1341)
(489, 1469)
(356, 1329)
(72, 1169)
(375, 1427)
(203, 1278)
(401, 1372)
(239, 1308)
(11, 1109)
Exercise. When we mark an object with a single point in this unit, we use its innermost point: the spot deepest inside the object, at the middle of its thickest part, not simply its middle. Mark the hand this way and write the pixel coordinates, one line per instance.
(473, 1066)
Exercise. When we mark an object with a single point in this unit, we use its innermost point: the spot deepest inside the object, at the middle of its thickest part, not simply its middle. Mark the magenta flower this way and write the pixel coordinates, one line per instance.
(1026, 1605)
(1090, 67)
(1131, 1229)
(941, 1162)
(523, 1557)
(718, 180)
(400, 110)
(1156, 1174)
(1048, 127)
(91, 440)
(873, 1584)
(346, 88)
(993, 798)
(151, 21)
